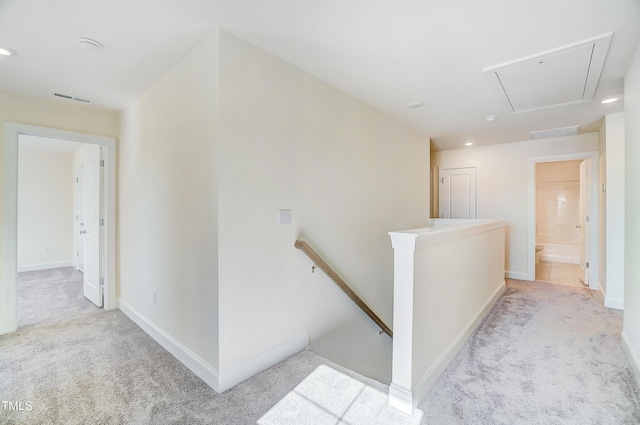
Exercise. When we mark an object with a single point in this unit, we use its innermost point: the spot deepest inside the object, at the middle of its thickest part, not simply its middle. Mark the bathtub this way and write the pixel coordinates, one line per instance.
(560, 253)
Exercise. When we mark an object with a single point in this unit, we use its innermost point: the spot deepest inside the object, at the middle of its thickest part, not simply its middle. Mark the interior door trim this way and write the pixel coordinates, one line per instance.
(594, 213)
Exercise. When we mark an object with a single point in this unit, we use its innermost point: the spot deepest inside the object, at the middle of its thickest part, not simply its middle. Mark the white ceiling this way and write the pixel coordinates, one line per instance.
(386, 53)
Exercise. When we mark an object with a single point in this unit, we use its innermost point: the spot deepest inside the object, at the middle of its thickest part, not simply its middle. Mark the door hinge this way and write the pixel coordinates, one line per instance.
(76, 180)
(102, 222)
(102, 281)
(442, 180)
(102, 162)
(587, 266)
(588, 219)
(77, 253)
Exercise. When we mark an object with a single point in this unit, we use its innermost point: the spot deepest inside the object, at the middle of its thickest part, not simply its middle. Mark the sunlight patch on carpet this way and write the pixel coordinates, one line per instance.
(329, 397)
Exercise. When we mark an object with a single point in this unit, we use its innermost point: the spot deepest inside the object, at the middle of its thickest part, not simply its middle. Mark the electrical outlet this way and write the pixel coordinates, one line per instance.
(155, 296)
(284, 217)
(47, 249)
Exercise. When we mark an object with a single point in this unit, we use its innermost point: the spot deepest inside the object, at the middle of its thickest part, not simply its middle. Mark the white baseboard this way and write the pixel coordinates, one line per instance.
(509, 274)
(611, 302)
(604, 294)
(44, 266)
(245, 370)
(631, 355)
(431, 376)
(219, 381)
(401, 399)
(198, 366)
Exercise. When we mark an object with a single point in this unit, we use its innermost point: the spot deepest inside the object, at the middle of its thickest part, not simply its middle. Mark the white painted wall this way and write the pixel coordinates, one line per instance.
(198, 211)
(45, 209)
(349, 174)
(503, 184)
(614, 210)
(631, 332)
(167, 206)
(55, 113)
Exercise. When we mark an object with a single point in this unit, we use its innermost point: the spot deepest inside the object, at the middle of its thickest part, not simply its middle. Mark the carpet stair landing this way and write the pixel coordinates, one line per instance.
(329, 397)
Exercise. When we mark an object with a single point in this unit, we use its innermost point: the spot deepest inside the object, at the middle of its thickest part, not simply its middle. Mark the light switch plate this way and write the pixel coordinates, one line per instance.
(284, 217)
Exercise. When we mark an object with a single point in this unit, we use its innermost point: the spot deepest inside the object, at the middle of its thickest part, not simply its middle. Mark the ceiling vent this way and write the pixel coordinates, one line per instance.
(564, 76)
(555, 132)
(77, 99)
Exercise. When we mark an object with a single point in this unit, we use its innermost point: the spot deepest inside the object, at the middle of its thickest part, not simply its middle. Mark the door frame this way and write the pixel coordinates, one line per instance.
(594, 213)
(77, 194)
(8, 286)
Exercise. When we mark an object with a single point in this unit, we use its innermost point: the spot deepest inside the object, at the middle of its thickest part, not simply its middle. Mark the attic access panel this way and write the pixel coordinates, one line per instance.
(562, 76)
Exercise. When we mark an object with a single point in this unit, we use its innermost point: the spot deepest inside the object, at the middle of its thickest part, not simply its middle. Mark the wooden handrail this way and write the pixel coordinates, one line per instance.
(318, 261)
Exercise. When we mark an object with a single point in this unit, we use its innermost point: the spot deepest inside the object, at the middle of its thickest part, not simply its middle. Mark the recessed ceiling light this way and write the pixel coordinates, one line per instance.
(469, 144)
(490, 118)
(415, 105)
(610, 100)
(89, 45)
(7, 51)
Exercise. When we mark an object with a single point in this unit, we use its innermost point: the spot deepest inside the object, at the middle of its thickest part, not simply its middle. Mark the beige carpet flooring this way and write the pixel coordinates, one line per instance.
(78, 364)
(546, 354)
(51, 294)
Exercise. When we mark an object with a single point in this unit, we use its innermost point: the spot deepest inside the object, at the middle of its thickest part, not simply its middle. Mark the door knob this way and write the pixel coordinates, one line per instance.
(82, 232)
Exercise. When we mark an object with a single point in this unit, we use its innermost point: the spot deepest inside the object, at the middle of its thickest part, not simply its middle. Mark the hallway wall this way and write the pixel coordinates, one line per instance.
(349, 174)
(167, 208)
(614, 211)
(631, 332)
(208, 156)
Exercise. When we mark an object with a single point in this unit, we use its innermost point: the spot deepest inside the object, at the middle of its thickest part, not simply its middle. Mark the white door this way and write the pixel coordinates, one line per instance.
(80, 219)
(585, 207)
(458, 192)
(92, 207)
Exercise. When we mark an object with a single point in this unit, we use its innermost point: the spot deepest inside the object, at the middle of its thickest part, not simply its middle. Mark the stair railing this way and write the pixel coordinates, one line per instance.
(319, 262)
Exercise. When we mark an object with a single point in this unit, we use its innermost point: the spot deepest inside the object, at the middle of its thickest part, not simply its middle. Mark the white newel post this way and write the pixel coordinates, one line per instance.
(400, 391)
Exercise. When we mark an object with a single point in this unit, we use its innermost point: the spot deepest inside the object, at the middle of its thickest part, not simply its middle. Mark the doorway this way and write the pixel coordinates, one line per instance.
(561, 226)
(105, 223)
(563, 219)
(59, 186)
